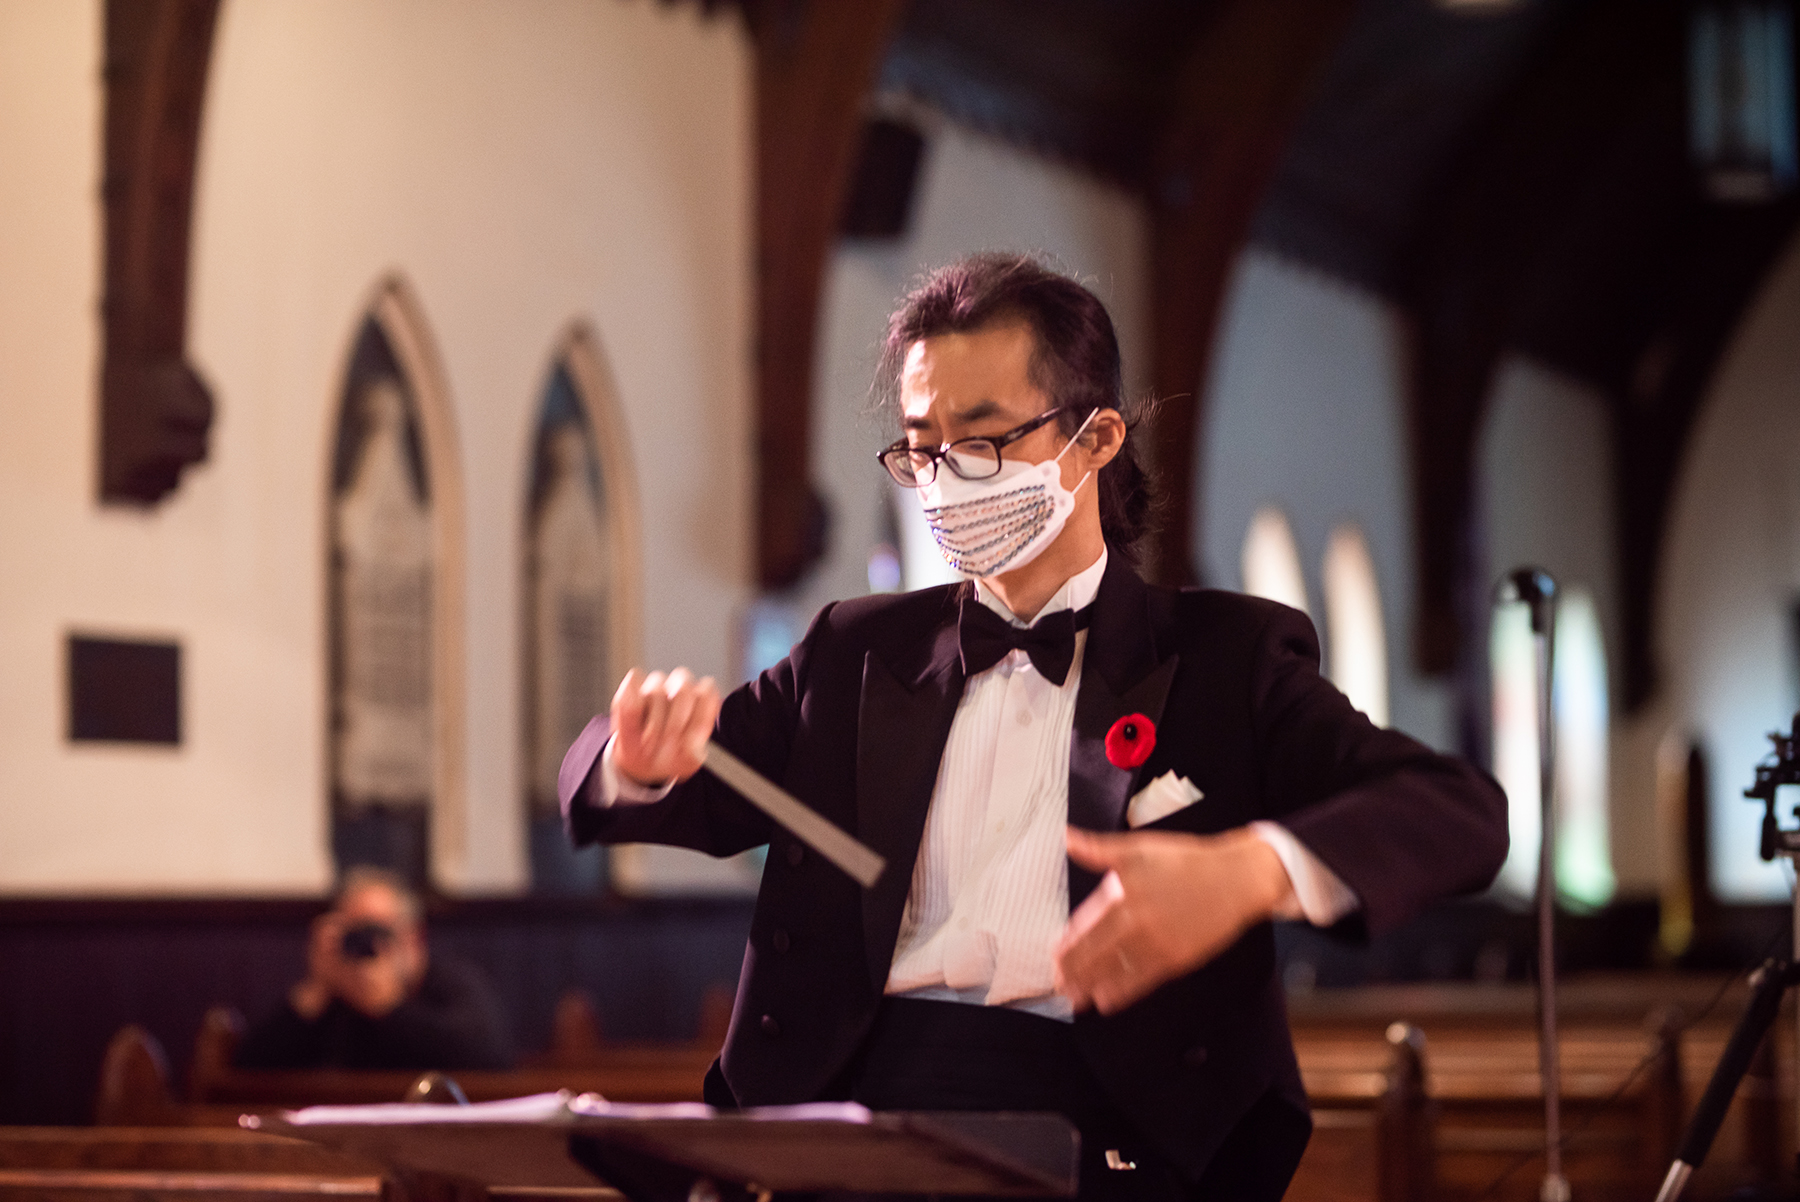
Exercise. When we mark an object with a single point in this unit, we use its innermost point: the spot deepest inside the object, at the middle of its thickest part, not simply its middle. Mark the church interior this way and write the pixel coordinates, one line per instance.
(381, 379)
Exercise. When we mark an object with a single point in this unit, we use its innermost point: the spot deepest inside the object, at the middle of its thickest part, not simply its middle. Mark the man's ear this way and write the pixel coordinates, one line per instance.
(1104, 438)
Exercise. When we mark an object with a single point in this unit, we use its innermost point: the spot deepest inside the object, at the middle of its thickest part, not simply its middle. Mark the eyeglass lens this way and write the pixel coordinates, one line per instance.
(974, 459)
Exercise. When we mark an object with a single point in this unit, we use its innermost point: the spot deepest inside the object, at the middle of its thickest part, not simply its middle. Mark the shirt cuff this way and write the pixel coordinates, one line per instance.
(615, 786)
(1320, 895)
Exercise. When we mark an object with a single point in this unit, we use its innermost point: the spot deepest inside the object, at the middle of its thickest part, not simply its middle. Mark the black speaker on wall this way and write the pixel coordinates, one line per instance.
(879, 202)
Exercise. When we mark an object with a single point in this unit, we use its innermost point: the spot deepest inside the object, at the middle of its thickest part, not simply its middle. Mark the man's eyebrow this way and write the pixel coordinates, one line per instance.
(983, 408)
(977, 411)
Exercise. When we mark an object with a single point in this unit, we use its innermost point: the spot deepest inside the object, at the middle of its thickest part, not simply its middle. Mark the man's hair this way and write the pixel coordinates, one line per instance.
(1074, 360)
(366, 876)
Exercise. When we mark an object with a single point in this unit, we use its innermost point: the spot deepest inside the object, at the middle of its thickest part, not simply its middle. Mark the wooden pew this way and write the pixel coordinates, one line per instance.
(1484, 1101)
(1483, 1079)
(1476, 1099)
(136, 1090)
(577, 1040)
(199, 1164)
(579, 1061)
(85, 1164)
(1372, 1124)
(1622, 1110)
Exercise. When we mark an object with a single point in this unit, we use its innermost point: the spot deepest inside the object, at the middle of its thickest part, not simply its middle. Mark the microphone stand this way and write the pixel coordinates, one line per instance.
(1769, 982)
(1536, 588)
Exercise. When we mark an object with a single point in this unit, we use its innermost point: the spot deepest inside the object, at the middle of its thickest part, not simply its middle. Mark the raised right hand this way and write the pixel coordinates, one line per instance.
(661, 723)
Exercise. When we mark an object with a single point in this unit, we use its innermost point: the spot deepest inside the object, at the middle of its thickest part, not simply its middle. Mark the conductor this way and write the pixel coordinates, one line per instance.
(1093, 795)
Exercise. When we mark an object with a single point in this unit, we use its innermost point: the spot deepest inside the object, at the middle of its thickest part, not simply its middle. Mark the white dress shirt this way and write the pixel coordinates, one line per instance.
(990, 887)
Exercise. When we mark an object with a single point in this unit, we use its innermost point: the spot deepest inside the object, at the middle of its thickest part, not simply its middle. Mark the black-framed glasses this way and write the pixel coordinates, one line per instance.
(971, 458)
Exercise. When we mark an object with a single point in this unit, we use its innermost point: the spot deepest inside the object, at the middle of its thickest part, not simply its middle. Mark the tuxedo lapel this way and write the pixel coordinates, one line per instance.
(1121, 673)
(903, 722)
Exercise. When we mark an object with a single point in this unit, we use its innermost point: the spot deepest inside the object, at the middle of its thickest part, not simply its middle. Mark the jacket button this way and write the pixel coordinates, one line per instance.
(1195, 1056)
(780, 941)
(795, 853)
(770, 1027)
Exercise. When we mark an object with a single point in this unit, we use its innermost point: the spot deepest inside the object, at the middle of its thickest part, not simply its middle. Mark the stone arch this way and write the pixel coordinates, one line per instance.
(409, 812)
(581, 582)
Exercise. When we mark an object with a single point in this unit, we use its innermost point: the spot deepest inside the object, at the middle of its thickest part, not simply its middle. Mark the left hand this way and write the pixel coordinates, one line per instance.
(1169, 902)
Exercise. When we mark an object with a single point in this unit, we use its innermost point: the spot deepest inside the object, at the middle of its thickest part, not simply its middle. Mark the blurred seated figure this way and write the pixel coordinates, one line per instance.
(375, 998)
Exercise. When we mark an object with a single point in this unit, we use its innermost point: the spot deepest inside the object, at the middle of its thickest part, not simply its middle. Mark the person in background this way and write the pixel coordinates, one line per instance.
(374, 997)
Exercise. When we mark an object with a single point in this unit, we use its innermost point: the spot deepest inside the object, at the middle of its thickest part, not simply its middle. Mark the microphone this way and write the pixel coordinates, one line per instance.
(1534, 587)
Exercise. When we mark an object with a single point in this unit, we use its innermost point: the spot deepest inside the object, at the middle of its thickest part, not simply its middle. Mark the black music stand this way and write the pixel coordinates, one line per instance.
(687, 1153)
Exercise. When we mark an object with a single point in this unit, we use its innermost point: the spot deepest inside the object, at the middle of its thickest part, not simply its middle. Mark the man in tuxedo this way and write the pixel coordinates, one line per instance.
(1093, 795)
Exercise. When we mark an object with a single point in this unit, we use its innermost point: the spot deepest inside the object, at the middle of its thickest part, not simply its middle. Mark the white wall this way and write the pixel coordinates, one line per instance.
(974, 194)
(1544, 483)
(1305, 410)
(1545, 487)
(521, 166)
(1730, 574)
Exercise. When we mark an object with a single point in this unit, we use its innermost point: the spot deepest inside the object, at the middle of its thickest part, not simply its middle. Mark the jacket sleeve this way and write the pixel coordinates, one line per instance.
(1400, 824)
(756, 724)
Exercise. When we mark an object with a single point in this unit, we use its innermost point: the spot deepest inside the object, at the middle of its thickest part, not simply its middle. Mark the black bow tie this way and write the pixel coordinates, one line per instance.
(985, 638)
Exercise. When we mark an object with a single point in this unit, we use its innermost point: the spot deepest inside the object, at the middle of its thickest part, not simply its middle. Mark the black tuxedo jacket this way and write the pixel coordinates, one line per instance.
(854, 723)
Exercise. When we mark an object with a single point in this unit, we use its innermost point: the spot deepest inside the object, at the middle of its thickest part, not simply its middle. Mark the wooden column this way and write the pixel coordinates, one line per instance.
(1240, 94)
(154, 408)
(815, 61)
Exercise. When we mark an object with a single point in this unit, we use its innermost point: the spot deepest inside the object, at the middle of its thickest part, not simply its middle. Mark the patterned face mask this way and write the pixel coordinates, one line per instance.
(985, 527)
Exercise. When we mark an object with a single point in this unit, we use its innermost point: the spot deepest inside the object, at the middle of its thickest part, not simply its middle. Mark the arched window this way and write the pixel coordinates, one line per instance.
(1272, 560)
(581, 585)
(1579, 710)
(1354, 632)
(395, 605)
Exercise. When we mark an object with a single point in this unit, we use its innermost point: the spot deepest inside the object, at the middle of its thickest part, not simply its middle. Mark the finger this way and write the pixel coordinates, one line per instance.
(1088, 948)
(656, 711)
(327, 929)
(1079, 998)
(706, 716)
(1093, 908)
(628, 708)
(1122, 989)
(1119, 973)
(1091, 849)
(682, 704)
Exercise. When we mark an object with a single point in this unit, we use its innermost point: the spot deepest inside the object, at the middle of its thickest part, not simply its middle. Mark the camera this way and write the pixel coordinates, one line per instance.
(365, 941)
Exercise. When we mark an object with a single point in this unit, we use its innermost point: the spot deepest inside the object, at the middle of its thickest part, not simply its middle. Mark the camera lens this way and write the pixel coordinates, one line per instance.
(365, 941)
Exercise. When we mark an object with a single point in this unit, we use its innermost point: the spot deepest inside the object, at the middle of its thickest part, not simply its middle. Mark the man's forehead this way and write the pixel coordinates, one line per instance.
(968, 377)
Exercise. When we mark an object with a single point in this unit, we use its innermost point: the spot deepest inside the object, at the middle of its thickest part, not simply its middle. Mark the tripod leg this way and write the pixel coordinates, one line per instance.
(1771, 981)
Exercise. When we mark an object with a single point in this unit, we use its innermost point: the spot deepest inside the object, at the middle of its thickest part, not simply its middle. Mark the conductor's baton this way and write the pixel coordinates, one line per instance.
(804, 822)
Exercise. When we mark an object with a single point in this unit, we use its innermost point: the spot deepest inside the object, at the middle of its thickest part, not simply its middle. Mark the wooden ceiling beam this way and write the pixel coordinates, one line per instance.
(815, 63)
(155, 410)
(1238, 99)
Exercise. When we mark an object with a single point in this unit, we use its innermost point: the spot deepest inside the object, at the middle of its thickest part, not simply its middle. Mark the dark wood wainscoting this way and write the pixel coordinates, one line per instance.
(74, 971)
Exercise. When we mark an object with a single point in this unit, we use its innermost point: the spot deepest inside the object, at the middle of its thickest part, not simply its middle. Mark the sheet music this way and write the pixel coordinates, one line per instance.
(552, 1107)
(533, 1108)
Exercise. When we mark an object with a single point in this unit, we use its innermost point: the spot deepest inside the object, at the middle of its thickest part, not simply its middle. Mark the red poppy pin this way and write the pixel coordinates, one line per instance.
(1130, 741)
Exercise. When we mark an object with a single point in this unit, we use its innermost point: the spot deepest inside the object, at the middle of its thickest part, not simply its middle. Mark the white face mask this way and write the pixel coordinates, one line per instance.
(985, 527)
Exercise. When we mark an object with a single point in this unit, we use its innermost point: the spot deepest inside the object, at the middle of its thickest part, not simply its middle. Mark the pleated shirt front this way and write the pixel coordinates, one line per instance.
(990, 888)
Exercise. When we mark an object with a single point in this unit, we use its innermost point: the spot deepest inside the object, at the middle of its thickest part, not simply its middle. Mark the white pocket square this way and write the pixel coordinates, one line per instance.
(1160, 798)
